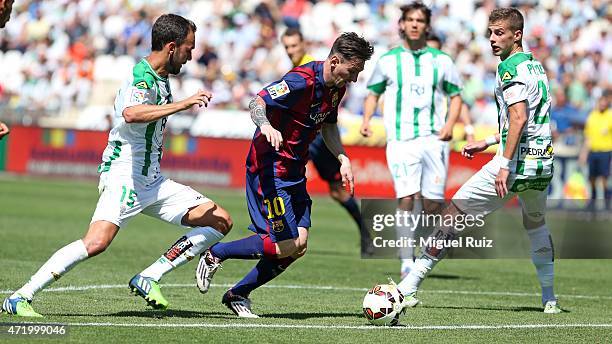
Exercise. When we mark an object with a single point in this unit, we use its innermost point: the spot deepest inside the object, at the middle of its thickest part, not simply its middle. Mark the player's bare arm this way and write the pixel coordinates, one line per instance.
(4, 130)
(472, 148)
(467, 123)
(454, 110)
(146, 113)
(331, 137)
(369, 107)
(517, 115)
(257, 107)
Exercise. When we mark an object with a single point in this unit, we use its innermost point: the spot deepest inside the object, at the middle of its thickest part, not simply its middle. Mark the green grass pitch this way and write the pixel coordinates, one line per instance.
(317, 300)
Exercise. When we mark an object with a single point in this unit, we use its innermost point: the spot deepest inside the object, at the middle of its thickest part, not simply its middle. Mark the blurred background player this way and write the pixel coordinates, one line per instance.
(5, 14)
(597, 148)
(523, 165)
(302, 103)
(415, 79)
(130, 178)
(4, 130)
(435, 42)
(5, 11)
(324, 161)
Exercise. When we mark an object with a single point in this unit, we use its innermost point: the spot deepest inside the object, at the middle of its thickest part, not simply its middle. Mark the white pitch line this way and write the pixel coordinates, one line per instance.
(344, 327)
(317, 287)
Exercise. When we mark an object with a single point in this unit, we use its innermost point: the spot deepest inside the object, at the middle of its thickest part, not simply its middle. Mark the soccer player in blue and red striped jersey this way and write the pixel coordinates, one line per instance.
(288, 113)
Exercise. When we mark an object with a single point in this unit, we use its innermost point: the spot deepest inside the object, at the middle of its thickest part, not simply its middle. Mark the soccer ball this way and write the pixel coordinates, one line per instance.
(382, 305)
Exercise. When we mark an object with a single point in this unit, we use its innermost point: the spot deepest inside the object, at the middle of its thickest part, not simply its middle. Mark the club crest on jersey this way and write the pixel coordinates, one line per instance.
(506, 76)
(278, 90)
(138, 96)
(335, 99)
(278, 225)
(142, 84)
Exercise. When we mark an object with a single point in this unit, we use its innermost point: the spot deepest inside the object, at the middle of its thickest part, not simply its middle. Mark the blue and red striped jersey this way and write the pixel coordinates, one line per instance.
(296, 105)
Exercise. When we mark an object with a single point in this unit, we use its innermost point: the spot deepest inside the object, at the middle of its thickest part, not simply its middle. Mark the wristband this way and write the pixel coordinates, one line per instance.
(469, 129)
(504, 162)
(491, 140)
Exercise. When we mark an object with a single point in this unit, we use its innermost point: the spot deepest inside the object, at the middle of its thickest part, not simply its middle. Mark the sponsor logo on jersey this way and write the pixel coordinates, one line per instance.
(319, 117)
(278, 90)
(506, 76)
(539, 184)
(540, 152)
(417, 89)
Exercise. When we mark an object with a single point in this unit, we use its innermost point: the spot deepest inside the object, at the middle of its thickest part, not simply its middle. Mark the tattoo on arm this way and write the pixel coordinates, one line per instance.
(258, 112)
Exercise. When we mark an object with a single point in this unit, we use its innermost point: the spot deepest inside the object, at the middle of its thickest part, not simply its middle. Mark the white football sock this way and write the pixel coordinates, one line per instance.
(542, 256)
(425, 263)
(406, 231)
(184, 250)
(60, 262)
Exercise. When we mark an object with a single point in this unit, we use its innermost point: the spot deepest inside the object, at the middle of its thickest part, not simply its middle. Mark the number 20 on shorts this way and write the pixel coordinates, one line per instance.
(276, 207)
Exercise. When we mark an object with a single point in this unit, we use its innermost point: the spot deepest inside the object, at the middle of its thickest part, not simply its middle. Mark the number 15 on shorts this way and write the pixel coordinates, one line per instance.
(128, 196)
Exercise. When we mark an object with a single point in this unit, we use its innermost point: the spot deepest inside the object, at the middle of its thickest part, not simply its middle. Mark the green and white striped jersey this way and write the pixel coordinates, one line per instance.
(415, 86)
(522, 78)
(136, 148)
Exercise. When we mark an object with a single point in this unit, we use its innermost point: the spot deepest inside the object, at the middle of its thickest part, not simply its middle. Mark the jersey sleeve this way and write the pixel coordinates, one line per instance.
(451, 84)
(140, 91)
(378, 80)
(514, 92)
(286, 92)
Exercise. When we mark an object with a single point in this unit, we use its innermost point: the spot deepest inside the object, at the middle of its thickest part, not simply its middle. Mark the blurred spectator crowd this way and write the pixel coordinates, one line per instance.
(61, 57)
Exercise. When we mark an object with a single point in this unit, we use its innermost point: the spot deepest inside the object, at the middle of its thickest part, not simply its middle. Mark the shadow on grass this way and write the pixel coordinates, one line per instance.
(153, 314)
(499, 308)
(302, 316)
(444, 277)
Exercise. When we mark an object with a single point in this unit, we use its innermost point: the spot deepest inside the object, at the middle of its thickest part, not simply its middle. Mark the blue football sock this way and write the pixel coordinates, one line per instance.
(247, 248)
(351, 206)
(266, 270)
(548, 294)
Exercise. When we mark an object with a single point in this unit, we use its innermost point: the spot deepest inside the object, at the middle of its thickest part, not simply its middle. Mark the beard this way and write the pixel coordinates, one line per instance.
(174, 66)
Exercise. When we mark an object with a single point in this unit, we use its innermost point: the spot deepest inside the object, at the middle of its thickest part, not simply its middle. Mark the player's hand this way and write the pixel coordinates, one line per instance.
(470, 149)
(4, 130)
(501, 186)
(200, 98)
(272, 135)
(446, 134)
(470, 138)
(365, 130)
(346, 171)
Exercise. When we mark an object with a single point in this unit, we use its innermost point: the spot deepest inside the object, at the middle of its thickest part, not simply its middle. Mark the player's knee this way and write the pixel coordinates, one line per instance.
(338, 193)
(406, 203)
(95, 246)
(225, 222)
(287, 248)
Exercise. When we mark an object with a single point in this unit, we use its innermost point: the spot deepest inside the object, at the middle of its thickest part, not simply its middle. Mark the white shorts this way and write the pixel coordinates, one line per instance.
(123, 197)
(478, 196)
(417, 165)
